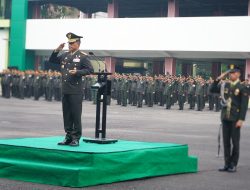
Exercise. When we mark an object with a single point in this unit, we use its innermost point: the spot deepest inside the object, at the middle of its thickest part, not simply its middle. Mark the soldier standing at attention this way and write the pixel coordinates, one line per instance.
(181, 94)
(133, 91)
(168, 93)
(119, 90)
(233, 113)
(161, 90)
(74, 65)
(124, 88)
(37, 85)
(191, 93)
(49, 86)
(7, 84)
(199, 93)
(211, 98)
(151, 92)
(140, 89)
(21, 85)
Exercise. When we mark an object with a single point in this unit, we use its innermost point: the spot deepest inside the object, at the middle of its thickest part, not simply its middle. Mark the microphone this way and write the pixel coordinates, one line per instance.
(98, 61)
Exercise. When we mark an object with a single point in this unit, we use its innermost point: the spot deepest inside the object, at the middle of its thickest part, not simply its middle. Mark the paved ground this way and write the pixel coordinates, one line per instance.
(28, 118)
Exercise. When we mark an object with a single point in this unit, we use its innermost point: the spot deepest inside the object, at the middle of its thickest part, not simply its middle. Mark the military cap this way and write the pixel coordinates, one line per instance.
(233, 68)
(73, 37)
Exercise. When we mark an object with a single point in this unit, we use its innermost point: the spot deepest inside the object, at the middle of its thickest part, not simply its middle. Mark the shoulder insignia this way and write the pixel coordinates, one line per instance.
(83, 53)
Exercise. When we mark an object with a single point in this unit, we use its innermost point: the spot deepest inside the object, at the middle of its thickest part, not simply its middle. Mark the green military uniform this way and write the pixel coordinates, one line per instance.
(235, 104)
(199, 93)
(161, 91)
(234, 110)
(37, 87)
(168, 89)
(191, 95)
(211, 98)
(72, 89)
(124, 94)
(140, 88)
(181, 95)
(119, 91)
(151, 93)
(21, 86)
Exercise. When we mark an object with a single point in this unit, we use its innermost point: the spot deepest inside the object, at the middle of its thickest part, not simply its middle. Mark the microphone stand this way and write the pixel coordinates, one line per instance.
(103, 87)
(98, 59)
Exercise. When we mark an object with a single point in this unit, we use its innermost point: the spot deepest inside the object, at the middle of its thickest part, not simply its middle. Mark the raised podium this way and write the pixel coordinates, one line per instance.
(103, 87)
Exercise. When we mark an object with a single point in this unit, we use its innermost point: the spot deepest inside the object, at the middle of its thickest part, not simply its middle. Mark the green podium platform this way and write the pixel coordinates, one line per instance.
(41, 160)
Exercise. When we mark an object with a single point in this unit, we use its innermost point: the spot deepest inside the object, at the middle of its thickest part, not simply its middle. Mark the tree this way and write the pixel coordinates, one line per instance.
(52, 11)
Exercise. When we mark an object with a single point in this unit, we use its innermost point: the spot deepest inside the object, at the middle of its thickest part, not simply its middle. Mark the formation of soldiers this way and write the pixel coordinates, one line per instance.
(161, 90)
(37, 84)
(127, 89)
(31, 84)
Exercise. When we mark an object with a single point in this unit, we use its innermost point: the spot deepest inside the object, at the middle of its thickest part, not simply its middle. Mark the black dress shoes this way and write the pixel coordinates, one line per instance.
(232, 169)
(65, 142)
(224, 169)
(74, 143)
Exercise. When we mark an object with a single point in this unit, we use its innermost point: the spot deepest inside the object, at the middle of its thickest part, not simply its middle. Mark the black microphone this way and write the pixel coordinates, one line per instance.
(98, 59)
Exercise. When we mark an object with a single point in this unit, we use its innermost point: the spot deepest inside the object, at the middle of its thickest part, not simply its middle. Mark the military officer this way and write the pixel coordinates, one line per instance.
(140, 88)
(150, 92)
(124, 95)
(21, 85)
(168, 93)
(235, 103)
(133, 91)
(37, 85)
(210, 95)
(191, 93)
(181, 94)
(200, 93)
(74, 65)
(7, 84)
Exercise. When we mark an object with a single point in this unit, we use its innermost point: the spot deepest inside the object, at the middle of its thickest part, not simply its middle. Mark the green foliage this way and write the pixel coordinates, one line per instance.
(52, 11)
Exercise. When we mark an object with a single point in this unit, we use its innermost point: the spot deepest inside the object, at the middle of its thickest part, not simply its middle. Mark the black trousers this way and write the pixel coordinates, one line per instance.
(200, 104)
(72, 112)
(139, 99)
(133, 98)
(181, 100)
(231, 141)
(211, 102)
(191, 98)
(169, 100)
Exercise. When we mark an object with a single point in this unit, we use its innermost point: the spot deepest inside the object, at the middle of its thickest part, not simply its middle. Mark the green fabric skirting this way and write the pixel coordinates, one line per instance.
(40, 160)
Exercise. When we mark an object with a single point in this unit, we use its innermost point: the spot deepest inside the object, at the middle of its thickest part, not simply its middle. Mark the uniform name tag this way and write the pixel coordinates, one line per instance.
(76, 60)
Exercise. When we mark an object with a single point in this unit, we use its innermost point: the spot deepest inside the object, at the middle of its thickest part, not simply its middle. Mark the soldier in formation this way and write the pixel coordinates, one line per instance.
(137, 90)
(126, 89)
(31, 84)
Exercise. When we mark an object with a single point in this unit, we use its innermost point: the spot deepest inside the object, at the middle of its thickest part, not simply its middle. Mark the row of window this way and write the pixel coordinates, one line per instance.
(146, 8)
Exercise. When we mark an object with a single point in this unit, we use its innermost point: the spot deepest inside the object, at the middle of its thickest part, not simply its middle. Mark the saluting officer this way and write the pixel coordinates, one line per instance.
(235, 102)
(74, 65)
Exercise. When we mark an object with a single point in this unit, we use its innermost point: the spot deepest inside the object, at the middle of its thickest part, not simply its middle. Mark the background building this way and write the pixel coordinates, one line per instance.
(187, 37)
(4, 32)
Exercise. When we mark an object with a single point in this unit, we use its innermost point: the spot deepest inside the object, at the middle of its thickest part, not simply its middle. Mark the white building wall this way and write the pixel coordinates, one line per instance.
(4, 46)
(160, 37)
